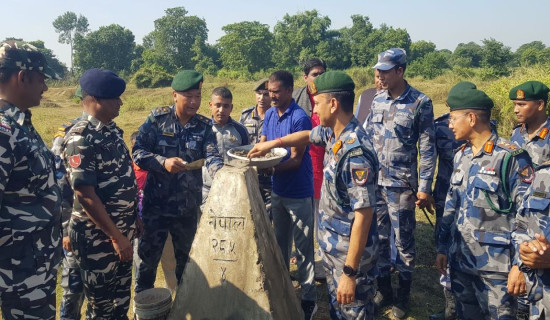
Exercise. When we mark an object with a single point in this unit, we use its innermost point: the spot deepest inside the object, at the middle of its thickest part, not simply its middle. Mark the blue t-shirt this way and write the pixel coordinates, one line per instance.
(294, 183)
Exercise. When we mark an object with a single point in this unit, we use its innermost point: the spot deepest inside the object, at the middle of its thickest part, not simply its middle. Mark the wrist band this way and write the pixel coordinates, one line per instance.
(280, 142)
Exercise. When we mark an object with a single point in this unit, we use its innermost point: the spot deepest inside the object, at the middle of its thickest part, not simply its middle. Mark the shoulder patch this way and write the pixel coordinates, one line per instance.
(159, 111)
(360, 176)
(527, 174)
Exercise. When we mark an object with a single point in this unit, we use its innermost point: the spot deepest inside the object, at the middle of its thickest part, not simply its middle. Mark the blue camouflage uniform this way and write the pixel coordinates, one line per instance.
(95, 155)
(475, 230)
(254, 124)
(396, 127)
(538, 147)
(349, 184)
(534, 217)
(171, 201)
(71, 282)
(30, 224)
(231, 135)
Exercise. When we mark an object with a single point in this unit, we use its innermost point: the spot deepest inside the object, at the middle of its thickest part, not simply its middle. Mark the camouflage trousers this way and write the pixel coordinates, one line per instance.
(27, 291)
(482, 297)
(151, 244)
(395, 211)
(293, 219)
(73, 288)
(363, 306)
(107, 280)
(538, 294)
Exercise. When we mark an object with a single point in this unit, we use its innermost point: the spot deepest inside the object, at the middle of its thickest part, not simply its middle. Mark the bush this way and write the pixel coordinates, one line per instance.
(152, 76)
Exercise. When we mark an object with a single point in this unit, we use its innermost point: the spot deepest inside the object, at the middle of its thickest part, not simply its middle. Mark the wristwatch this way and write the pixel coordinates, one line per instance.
(349, 271)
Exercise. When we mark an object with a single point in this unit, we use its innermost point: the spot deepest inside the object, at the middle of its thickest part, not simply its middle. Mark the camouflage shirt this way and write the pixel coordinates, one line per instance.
(162, 136)
(253, 123)
(30, 199)
(475, 237)
(95, 155)
(538, 147)
(446, 145)
(349, 184)
(396, 126)
(67, 193)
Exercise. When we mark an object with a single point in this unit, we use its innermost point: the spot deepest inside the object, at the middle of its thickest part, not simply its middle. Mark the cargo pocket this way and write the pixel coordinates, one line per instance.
(404, 128)
(485, 192)
(494, 255)
(335, 239)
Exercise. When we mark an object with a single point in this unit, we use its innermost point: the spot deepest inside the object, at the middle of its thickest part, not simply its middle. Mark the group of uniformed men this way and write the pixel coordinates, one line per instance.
(492, 208)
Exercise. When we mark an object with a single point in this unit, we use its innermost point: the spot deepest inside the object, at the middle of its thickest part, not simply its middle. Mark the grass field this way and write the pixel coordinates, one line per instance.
(59, 106)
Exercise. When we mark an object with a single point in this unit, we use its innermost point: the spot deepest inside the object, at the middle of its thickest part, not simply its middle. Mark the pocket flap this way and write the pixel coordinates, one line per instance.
(167, 142)
(537, 203)
(487, 237)
(403, 119)
(486, 182)
(457, 177)
(340, 227)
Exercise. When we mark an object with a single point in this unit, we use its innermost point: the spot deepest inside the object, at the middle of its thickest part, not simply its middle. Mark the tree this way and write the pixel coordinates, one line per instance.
(497, 56)
(355, 38)
(204, 57)
(431, 65)
(419, 49)
(467, 55)
(110, 47)
(68, 25)
(297, 37)
(170, 43)
(246, 46)
(530, 53)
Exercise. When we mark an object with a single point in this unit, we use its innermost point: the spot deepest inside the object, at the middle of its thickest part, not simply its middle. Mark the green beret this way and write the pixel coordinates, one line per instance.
(261, 85)
(332, 81)
(465, 95)
(530, 90)
(187, 80)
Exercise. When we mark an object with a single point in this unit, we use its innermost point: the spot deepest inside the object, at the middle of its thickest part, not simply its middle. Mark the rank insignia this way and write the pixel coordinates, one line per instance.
(360, 176)
(168, 134)
(527, 174)
(337, 146)
(489, 146)
(75, 161)
(543, 133)
(489, 171)
(520, 94)
(539, 194)
(350, 140)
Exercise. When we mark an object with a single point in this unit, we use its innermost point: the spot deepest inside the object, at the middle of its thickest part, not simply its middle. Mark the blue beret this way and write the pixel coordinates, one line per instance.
(102, 84)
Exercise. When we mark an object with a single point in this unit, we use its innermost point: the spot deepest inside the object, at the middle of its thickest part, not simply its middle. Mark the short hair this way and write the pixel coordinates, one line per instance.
(7, 73)
(345, 98)
(222, 92)
(284, 77)
(404, 66)
(483, 115)
(312, 63)
(134, 135)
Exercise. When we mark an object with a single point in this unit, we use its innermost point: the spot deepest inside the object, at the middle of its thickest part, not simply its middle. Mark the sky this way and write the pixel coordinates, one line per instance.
(444, 22)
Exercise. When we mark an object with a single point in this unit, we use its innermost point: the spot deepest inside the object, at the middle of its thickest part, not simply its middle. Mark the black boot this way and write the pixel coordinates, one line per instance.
(401, 305)
(384, 294)
(450, 308)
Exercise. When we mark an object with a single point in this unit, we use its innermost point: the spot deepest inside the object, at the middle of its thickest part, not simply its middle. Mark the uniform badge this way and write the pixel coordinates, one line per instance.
(489, 146)
(543, 133)
(520, 94)
(168, 134)
(527, 174)
(360, 176)
(488, 171)
(75, 161)
(350, 140)
(337, 146)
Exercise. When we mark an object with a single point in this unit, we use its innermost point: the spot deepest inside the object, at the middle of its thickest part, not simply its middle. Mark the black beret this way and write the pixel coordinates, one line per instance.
(102, 84)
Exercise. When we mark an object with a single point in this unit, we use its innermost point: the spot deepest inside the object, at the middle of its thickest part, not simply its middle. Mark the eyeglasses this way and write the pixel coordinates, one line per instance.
(453, 119)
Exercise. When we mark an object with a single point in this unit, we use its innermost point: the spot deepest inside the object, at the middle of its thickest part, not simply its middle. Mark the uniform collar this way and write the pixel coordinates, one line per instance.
(403, 94)
(344, 136)
(98, 125)
(16, 114)
(543, 132)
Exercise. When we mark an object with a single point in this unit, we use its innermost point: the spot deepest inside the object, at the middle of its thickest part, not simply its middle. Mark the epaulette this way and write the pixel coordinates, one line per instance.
(442, 117)
(202, 118)
(159, 111)
(247, 110)
(64, 128)
(510, 147)
(462, 147)
(78, 127)
(545, 164)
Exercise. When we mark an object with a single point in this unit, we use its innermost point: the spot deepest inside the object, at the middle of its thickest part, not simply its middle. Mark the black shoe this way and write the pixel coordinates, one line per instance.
(401, 306)
(310, 308)
(384, 294)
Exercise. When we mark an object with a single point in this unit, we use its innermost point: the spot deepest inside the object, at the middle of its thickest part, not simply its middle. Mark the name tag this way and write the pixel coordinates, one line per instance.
(168, 134)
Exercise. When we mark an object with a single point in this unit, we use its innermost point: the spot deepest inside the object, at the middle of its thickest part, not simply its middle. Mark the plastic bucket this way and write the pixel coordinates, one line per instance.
(152, 304)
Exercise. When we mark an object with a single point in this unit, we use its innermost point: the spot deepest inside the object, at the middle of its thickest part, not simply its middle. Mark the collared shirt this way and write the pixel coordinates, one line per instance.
(349, 184)
(253, 124)
(30, 199)
(539, 146)
(395, 127)
(475, 237)
(95, 155)
(162, 136)
(293, 183)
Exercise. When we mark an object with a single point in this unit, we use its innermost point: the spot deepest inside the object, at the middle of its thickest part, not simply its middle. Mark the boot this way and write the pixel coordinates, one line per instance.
(450, 308)
(401, 305)
(384, 294)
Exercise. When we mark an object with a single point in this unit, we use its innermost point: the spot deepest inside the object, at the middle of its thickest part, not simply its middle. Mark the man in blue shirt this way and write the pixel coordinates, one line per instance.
(292, 197)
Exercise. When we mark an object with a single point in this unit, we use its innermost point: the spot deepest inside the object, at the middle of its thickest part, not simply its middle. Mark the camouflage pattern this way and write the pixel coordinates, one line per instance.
(482, 297)
(254, 124)
(349, 184)
(171, 201)
(533, 217)
(395, 128)
(95, 155)
(20, 55)
(538, 147)
(71, 282)
(30, 225)
(233, 134)
(476, 237)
